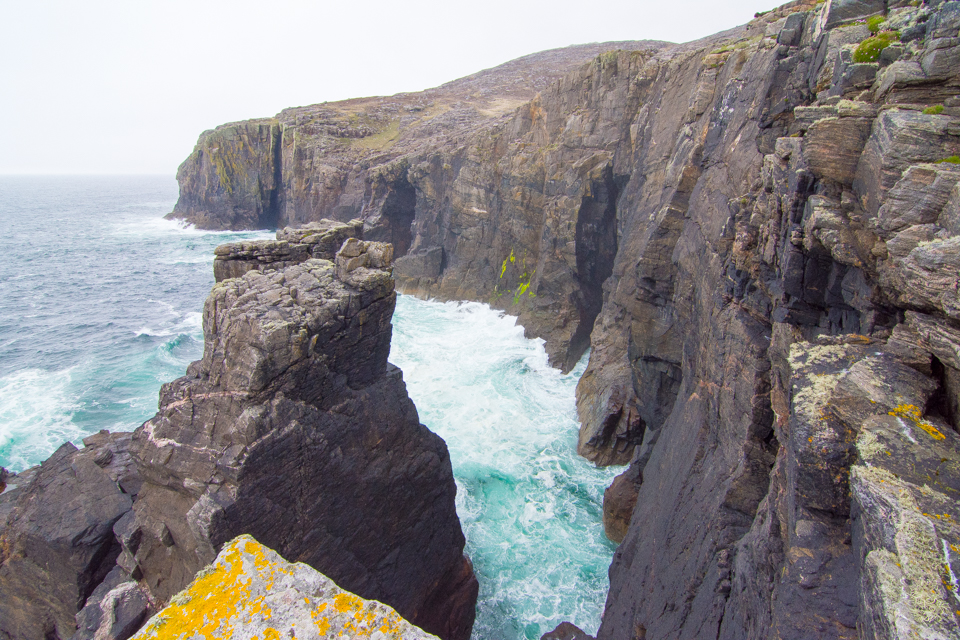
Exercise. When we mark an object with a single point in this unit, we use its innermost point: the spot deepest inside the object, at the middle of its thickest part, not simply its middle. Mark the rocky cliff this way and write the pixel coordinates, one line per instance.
(757, 235)
(292, 427)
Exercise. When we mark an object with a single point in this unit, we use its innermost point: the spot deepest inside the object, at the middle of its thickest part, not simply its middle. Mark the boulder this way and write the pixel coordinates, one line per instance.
(250, 591)
(832, 147)
(839, 12)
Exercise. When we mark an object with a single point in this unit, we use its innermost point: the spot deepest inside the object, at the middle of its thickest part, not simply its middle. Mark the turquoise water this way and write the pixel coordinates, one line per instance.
(530, 507)
(100, 302)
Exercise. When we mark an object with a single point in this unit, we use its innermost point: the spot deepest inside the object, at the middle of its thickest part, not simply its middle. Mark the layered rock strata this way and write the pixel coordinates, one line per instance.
(249, 591)
(321, 239)
(293, 428)
(757, 236)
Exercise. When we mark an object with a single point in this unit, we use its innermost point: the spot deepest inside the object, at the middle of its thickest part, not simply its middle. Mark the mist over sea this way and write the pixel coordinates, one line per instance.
(100, 302)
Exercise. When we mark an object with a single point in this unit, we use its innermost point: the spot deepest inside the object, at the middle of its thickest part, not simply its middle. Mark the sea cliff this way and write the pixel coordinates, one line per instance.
(756, 235)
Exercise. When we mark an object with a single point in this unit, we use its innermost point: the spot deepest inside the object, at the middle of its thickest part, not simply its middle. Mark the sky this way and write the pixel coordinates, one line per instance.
(126, 86)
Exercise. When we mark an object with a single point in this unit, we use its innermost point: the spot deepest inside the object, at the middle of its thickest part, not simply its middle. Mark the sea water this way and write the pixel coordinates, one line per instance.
(100, 302)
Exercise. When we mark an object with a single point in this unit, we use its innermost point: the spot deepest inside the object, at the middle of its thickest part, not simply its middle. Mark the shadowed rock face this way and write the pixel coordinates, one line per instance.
(294, 428)
(56, 535)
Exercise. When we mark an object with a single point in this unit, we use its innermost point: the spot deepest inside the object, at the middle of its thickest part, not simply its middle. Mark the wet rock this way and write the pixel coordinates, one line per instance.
(249, 591)
(567, 631)
(619, 499)
(57, 542)
(295, 429)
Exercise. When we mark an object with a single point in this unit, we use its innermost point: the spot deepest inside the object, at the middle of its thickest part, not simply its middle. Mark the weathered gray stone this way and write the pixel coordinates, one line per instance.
(941, 59)
(900, 138)
(249, 591)
(918, 197)
(900, 73)
(320, 239)
(115, 610)
(57, 543)
(841, 11)
(945, 22)
(792, 29)
(926, 278)
(832, 147)
(950, 216)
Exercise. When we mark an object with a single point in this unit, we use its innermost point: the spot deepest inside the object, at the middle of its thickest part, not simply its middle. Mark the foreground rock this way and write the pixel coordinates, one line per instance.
(249, 591)
(293, 428)
(56, 535)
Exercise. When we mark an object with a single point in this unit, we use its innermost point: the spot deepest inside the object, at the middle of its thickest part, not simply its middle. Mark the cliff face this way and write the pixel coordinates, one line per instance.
(757, 236)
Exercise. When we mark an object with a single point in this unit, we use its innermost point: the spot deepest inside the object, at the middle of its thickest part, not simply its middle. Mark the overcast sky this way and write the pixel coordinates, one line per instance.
(126, 86)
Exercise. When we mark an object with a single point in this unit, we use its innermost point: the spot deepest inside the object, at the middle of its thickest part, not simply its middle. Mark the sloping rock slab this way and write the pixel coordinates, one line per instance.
(251, 592)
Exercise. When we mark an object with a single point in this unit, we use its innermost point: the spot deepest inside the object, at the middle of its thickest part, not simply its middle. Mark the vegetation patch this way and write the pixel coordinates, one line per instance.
(875, 23)
(950, 160)
(869, 50)
(381, 140)
(936, 109)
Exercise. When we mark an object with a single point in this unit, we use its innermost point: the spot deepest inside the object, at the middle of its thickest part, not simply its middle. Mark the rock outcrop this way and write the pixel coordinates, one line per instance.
(293, 428)
(757, 235)
(249, 591)
(56, 534)
(321, 240)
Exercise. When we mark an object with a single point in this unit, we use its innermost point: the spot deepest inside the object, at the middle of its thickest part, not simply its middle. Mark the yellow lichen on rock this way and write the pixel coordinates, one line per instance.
(251, 592)
(914, 415)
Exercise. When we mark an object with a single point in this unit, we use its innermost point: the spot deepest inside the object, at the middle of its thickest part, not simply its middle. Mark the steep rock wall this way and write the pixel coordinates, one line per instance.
(737, 224)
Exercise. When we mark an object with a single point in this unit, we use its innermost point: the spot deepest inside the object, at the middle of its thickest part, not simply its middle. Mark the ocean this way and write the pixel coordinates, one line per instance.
(100, 302)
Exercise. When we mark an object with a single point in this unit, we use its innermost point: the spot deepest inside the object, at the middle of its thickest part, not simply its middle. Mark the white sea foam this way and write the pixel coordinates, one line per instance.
(530, 507)
(36, 407)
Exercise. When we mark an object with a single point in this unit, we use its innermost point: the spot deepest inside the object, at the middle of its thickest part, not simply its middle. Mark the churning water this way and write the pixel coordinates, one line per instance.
(100, 302)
